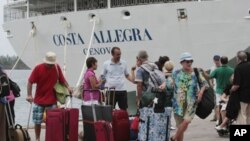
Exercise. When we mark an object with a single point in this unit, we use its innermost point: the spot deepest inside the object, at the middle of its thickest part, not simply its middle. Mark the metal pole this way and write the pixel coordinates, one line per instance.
(28, 9)
(109, 4)
(75, 5)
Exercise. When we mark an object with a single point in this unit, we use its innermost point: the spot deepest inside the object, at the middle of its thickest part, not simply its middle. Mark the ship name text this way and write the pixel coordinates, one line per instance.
(104, 36)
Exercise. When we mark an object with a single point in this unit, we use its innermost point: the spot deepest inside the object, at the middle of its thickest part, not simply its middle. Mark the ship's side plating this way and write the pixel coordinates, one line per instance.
(203, 28)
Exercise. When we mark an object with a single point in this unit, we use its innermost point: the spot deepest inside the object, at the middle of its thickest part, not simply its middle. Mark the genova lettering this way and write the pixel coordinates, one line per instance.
(97, 51)
(104, 36)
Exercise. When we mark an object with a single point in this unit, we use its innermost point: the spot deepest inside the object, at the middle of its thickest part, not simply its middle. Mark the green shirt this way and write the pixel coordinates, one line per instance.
(222, 75)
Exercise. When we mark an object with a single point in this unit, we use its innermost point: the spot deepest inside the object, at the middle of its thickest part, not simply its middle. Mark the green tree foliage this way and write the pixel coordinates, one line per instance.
(7, 62)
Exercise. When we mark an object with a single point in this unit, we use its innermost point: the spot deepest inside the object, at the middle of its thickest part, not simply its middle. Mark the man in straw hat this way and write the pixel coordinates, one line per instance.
(45, 75)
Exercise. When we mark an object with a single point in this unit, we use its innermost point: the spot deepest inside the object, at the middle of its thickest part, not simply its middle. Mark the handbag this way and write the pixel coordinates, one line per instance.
(78, 91)
(61, 90)
(147, 99)
(15, 88)
(206, 105)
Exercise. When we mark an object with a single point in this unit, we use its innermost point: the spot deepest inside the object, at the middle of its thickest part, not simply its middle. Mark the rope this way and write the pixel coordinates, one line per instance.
(19, 56)
(65, 50)
(90, 44)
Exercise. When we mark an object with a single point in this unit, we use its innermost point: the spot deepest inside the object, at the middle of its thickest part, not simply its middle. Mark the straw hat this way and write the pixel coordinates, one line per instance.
(50, 58)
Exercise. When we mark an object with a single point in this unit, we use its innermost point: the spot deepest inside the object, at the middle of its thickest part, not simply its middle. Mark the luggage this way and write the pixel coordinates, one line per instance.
(103, 130)
(19, 133)
(120, 124)
(103, 112)
(134, 127)
(97, 122)
(154, 126)
(15, 132)
(62, 124)
(206, 105)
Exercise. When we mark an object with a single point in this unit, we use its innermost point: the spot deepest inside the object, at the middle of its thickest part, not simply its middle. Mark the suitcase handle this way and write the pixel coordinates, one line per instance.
(90, 90)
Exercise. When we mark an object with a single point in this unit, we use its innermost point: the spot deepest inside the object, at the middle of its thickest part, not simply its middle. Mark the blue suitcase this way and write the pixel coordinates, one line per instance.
(154, 126)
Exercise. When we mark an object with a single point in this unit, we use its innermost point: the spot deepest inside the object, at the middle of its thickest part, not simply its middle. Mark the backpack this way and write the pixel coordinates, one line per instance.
(15, 88)
(4, 86)
(156, 78)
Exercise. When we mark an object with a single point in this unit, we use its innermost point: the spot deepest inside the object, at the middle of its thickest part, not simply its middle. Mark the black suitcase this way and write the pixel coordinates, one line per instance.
(102, 112)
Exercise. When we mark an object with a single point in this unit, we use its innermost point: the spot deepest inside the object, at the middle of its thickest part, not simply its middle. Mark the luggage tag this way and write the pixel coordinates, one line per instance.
(155, 100)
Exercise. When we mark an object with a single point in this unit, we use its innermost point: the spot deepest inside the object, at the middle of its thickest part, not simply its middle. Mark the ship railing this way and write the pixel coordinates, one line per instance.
(30, 8)
(121, 3)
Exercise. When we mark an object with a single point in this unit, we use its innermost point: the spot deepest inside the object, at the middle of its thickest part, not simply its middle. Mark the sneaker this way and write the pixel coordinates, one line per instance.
(213, 120)
(218, 128)
(217, 123)
(172, 128)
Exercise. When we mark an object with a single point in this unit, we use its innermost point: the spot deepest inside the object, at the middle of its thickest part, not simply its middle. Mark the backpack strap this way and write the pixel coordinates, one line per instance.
(197, 76)
(154, 80)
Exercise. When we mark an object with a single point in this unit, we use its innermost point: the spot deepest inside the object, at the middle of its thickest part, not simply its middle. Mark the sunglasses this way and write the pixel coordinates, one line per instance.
(188, 61)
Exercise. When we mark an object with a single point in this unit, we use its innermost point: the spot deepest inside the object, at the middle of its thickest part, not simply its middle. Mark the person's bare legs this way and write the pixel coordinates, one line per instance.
(179, 135)
(217, 111)
(224, 123)
(37, 131)
(223, 115)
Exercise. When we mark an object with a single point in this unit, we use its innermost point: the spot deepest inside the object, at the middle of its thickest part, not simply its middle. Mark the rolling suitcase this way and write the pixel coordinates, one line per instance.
(62, 124)
(154, 126)
(97, 122)
(15, 132)
(120, 124)
(120, 119)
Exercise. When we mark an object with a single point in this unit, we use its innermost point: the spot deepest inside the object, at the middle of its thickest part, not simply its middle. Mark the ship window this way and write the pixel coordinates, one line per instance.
(91, 4)
(126, 14)
(182, 13)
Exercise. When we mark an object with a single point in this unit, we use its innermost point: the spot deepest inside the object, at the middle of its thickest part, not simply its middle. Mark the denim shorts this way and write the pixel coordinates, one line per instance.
(38, 111)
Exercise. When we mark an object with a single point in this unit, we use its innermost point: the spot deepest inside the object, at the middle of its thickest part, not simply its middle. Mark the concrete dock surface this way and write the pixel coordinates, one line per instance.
(199, 130)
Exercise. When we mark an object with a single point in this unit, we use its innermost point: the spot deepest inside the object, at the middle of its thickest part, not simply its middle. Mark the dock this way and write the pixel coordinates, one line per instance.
(199, 130)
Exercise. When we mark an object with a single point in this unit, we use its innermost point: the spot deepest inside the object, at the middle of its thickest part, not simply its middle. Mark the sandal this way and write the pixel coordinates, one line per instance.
(171, 139)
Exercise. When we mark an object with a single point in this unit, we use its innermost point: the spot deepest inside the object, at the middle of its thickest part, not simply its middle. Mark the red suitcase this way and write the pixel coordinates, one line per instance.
(62, 124)
(103, 131)
(120, 122)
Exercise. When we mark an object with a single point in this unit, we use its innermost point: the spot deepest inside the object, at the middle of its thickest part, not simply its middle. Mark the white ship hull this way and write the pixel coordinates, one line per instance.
(211, 27)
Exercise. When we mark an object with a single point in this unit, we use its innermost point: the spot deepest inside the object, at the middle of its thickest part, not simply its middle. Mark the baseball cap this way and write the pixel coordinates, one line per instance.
(216, 57)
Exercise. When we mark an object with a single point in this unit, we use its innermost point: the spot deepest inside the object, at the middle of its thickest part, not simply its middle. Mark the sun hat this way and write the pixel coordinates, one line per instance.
(50, 58)
(186, 56)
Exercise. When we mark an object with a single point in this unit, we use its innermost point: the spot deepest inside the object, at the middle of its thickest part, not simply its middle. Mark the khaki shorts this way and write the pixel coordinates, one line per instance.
(180, 119)
(223, 106)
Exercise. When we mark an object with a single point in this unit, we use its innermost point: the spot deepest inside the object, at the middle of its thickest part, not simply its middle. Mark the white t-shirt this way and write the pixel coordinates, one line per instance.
(115, 74)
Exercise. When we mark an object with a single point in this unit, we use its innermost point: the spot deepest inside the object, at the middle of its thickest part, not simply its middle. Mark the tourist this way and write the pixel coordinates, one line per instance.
(186, 95)
(115, 71)
(45, 76)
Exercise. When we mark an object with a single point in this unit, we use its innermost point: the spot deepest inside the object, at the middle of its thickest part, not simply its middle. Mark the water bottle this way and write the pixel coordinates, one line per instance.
(103, 82)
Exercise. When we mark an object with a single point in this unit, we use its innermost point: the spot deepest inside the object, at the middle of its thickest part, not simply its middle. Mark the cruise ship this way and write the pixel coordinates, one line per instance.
(75, 29)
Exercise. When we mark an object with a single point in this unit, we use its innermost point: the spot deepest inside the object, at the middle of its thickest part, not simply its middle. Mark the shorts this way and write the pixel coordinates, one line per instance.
(180, 119)
(223, 106)
(120, 97)
(218, 99)
(38, 111)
